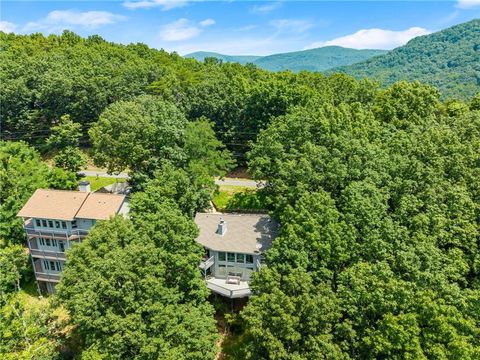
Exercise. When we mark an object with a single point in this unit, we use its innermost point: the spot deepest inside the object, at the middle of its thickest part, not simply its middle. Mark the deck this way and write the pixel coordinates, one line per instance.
(231, 291)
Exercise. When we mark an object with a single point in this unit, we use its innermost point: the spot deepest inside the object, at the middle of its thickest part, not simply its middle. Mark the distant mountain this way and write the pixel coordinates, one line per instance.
(242, 59)
(448, 59)
(319, 59)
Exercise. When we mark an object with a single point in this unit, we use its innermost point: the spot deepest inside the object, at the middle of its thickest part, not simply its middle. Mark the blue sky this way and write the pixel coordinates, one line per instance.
(240, 27)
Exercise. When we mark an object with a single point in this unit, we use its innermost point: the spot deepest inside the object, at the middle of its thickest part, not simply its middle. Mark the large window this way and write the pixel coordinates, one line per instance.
(235, 264)
(52, 265)
(37, 222)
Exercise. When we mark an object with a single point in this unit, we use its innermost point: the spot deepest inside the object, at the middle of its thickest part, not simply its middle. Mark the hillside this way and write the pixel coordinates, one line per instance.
(448, 59)
(319, 59)
(241, 59)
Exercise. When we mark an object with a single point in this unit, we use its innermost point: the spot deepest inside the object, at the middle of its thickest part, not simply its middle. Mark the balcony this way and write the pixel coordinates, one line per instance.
(207, 263)
(74, 234)
(232, 291)
(42, 276)
(51, 255)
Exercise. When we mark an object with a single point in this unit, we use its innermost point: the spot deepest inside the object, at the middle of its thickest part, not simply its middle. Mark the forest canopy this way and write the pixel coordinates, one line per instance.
(376, 189)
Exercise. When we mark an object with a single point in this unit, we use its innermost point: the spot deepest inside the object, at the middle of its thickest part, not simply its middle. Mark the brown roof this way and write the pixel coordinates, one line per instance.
(100, 206)
(68, 205)
(246, 233)
(53, 204)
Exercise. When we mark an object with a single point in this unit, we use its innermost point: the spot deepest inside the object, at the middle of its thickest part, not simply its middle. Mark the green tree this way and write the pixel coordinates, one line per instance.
(291, 316)
(141, 135)
(127, 305)
(13, 267)
(171, 184)
(207, 156)
(21, 173)
(64, 141)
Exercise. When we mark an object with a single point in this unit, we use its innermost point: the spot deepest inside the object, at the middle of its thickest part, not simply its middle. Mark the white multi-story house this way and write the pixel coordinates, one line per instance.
(56, 219)
(234, 245)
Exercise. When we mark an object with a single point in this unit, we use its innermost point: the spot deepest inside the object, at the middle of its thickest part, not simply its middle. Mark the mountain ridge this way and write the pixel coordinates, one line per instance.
(318, 59)
(448, 59)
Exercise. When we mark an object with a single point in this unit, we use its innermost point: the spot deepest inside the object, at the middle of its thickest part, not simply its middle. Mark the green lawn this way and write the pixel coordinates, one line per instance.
(231, 197)
(99, 182)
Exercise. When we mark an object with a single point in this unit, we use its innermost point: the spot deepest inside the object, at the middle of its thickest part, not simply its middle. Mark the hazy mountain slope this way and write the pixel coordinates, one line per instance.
(448, 59)
(319, 59)
(242, 59)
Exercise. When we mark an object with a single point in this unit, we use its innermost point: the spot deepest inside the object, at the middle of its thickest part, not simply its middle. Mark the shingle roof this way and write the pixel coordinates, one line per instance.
(246, 233)
(53, 204)
(100, 206)
(68, 205)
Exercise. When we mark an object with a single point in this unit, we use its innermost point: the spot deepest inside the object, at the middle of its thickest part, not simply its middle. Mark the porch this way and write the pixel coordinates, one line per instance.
(229, 289)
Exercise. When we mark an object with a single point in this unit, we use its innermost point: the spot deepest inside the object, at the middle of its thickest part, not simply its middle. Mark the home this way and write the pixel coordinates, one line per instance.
(234, 246)
(54, 220)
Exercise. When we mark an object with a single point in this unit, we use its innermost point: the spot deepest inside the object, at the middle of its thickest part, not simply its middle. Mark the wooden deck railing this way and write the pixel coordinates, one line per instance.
(206, 264)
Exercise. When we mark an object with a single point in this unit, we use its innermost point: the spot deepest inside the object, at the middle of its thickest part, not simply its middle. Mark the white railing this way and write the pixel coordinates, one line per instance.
(229, 290)
(207, 264)
(43, 276)
(48, 254)
(65, 234)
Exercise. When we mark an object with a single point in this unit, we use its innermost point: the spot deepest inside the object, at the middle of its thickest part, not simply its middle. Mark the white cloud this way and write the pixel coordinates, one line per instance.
(207, 22)
(7, 27)
(468, 4)
(374, 39)
(266, 8)
(291, 25)
(179, 30)
(147, 4)
(58, 20)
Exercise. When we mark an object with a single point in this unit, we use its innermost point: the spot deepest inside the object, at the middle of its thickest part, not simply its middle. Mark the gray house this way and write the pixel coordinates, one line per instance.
(234, 245)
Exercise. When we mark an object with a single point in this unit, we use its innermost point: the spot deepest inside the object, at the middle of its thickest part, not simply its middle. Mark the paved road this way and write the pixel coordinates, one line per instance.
(103, 174)
(225, 181)
(237, 182)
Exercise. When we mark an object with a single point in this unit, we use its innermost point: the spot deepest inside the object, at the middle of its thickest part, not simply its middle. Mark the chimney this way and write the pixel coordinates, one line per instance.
(84, 186)
(222, 227)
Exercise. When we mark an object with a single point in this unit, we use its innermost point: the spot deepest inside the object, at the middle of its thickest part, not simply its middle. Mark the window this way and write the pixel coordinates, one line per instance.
(249, 259)
(74, 224)
(240, 258)
(57, 224)
(37, 222)
(64, 225)
(44, 223)
(221, 256)
(231, 257)
(47, 241)
(42, 241)
(50, 223)
(54, 242)
(46, 265)
(222, 270)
